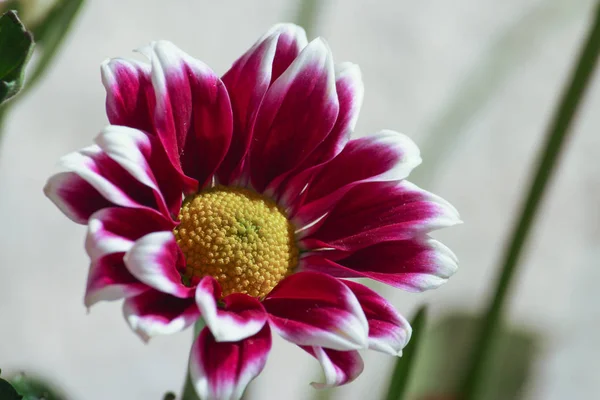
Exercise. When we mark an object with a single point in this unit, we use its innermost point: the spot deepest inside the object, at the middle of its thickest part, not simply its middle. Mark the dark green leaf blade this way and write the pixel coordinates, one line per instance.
(34, 388)
(16, 46)
(405, 364)
(7, 391)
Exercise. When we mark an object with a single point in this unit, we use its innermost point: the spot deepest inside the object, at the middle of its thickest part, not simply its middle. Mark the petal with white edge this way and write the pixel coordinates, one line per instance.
(239, 317)
(414, 265)
(339, 367)
(387, 156)
(247, 82)
(389, 332)
(313, 309)
(154, 313)
(109, 279)
(115, 229)
(155, 259)
(296, 115)
(76, 198)
(222, 370)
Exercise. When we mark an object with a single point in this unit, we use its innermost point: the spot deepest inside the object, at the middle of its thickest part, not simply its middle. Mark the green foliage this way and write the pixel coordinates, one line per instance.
(35, 389)
(7, 391)
(405, 365)
(16, 46)
(445, 354)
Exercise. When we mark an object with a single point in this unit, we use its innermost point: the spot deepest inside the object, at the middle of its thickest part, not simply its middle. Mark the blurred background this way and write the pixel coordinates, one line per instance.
(473, 82)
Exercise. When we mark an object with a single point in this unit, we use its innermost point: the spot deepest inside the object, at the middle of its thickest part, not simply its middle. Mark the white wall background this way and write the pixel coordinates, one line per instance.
(415, 57)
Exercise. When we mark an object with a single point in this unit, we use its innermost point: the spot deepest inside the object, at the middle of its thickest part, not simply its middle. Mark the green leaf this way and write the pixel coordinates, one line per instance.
(16, 46)
(7, 391)
(405, 364)
(445, 352)
(32, 388)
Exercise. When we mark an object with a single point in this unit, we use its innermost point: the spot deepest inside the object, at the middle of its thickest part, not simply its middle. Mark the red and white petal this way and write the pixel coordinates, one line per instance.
(387, 156)
(389, 332)
(130, 99)
(76, 198)
(193, 114)
(415, 265)
(296, 115)
(240, 317)
(247, 82)
(154, 259)
(313, 309)
(339, 367)
(350, 91)
(130, 148)
(154, 313)
(107, 177)
(222, 370)
(109, 279)
(115, 229)
(376, 212)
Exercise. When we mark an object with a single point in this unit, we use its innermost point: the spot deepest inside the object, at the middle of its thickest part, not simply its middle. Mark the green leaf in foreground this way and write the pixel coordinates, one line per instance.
(32, 388)
(16, 46)
(405, 364)
(7, 391)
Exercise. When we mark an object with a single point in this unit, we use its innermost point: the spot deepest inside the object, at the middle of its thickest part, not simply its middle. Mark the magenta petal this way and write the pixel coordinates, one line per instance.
(339, 367)
(350, 90)
(415, 265)
(156, 260)
(114, 230)
(193, 115)
(76, 198)
(296, 115)
(154, 313)
(109, 280)
(247, 82)
(312, 309)
(222, 370)
(240, 317)
(376, 212)
(144, 158)
(389, 332)
(130, 99)
(387, 156)
(110, 179)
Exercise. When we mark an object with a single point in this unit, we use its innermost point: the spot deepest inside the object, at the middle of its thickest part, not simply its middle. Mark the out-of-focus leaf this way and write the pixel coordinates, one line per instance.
(32, 388)
(7, 391)
(445, 353)
(16, 45)
(50, 33)
(405, 365)
(169, 396)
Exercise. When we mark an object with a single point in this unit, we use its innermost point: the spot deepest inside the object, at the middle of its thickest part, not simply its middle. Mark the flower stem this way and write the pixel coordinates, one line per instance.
(555, 138)
(307, 15)
(189, 392)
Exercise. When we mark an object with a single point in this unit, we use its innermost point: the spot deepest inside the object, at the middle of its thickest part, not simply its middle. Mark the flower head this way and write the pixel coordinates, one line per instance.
(242, 200)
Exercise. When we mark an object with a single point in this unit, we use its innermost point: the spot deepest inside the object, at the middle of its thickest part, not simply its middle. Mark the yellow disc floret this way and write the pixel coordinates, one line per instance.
(237, 236)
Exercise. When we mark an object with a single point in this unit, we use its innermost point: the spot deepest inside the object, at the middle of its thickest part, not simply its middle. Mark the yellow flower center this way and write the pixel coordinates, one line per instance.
(237, 236)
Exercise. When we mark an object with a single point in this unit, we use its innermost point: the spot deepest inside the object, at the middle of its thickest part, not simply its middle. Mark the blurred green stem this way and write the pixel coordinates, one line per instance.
(307, 15)
(555, 138)
(189, 393)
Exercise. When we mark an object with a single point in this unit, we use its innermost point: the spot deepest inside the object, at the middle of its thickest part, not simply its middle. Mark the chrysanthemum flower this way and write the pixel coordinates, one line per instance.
(242, 200)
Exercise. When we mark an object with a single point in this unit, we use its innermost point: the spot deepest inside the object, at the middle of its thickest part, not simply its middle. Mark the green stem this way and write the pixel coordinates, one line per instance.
(307, 15)
(189, 393)
(555, 138)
